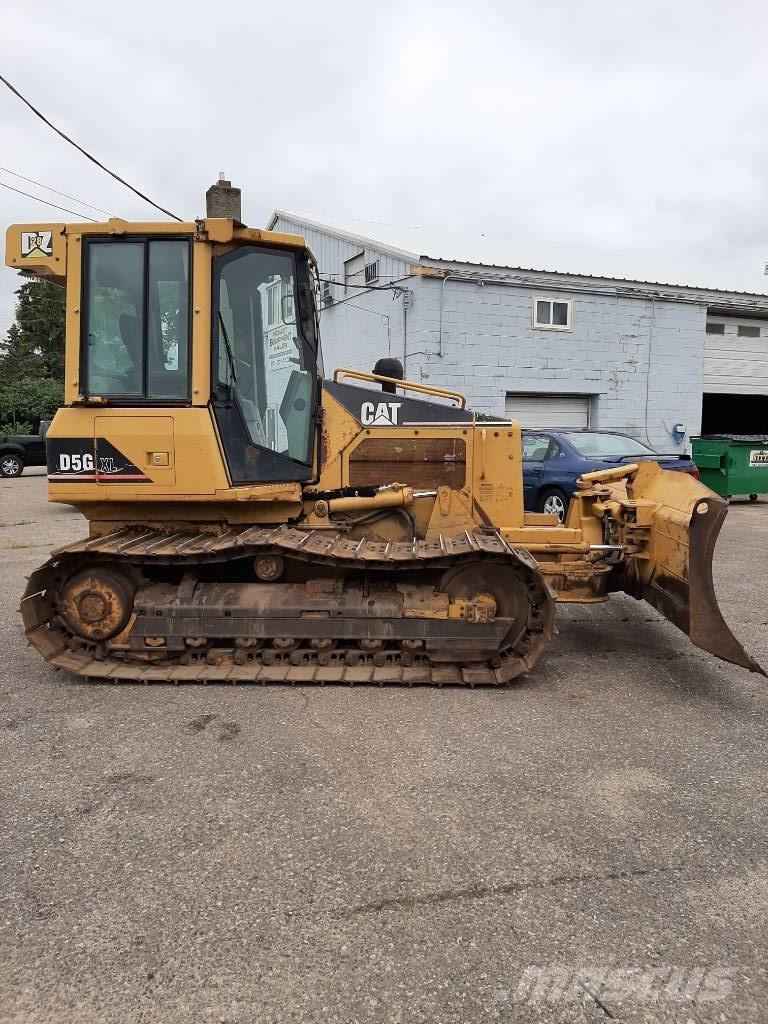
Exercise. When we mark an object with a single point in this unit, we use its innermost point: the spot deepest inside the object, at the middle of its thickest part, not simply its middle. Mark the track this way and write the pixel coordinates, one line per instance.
(189, 557)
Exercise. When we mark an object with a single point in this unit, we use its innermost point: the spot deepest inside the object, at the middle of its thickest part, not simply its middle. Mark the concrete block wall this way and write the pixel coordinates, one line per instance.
(357, 332)
(489, 348)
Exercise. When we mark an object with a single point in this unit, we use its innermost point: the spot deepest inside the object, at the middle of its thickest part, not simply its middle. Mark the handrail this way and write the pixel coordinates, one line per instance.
(406, 385)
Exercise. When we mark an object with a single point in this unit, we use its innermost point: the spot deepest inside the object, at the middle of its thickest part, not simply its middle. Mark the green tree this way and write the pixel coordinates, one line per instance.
(25, 401)
(17, 356)
(32, 358)
(34, 346)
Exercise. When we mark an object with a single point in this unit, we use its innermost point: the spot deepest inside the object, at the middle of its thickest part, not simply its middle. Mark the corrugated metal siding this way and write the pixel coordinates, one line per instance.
(331, 252)
(360, 327)
(553, 411)
(734, 365)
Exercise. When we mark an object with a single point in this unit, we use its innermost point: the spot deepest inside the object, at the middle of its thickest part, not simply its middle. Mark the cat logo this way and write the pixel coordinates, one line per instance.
(36, 243)
(380, 414)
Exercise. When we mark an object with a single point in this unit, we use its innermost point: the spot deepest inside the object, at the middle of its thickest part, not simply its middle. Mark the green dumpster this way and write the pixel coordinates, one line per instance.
(733, 463)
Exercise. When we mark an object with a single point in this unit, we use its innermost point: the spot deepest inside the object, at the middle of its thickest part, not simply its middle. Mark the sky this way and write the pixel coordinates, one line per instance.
(617, 138)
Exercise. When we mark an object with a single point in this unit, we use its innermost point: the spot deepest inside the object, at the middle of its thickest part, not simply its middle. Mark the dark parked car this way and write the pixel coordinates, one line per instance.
(553, 460)
(20, 450)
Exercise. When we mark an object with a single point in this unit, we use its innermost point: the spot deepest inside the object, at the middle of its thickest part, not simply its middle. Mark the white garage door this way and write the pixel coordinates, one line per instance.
(558, 412)
(736, 356)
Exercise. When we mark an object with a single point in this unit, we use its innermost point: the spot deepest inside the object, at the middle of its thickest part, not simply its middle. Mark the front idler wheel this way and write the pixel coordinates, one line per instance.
(96, 604)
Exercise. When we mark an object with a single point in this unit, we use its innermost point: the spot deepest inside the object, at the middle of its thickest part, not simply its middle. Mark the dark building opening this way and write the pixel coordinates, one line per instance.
(734, 414)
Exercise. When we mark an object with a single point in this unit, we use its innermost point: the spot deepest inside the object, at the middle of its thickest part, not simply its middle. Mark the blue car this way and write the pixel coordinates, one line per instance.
(553, 460)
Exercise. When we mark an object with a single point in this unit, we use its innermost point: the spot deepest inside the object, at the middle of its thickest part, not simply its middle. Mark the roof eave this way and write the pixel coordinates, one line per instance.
(348, 236)
(627, 286)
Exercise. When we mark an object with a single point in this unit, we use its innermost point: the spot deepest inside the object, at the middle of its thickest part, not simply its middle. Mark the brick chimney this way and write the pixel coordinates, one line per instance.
(221, 200)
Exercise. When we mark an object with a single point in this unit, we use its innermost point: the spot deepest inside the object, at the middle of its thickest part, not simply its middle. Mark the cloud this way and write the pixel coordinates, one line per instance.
(615, 138)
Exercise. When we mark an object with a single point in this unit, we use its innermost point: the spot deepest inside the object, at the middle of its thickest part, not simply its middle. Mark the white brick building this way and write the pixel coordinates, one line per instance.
(550, 349)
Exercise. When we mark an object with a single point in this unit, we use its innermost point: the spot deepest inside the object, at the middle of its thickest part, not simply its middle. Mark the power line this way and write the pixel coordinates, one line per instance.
(48, 188)
(85, 152)
(366, 287)
(66, 209)
(332, 277)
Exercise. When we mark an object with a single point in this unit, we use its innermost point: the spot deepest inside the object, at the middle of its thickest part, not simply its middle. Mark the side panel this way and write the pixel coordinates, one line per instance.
(368, 432)
(355, 415)
(173, 453)
(497, 481)
(147, 447)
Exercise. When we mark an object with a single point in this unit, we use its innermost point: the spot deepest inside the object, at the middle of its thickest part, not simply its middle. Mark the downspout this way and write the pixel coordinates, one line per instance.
(442, 303)
(648, 371)
(406, 301)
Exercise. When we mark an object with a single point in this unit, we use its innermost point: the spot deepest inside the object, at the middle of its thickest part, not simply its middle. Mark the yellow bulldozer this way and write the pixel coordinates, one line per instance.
(251, 520)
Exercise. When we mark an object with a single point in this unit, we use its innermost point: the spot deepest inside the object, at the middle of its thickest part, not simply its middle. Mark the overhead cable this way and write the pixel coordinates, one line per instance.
(49, 188)
(66, 209)
(85, 152)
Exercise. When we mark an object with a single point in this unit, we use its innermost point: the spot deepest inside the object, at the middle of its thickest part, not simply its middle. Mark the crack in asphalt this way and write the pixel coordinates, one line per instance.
(475, 892)
(597, 1000)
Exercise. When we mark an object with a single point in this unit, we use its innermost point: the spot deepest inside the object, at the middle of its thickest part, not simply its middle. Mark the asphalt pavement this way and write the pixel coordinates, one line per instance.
(586, 845)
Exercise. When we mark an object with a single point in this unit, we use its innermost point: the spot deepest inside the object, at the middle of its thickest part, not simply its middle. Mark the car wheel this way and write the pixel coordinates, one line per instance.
(11, 465)
(555, 503)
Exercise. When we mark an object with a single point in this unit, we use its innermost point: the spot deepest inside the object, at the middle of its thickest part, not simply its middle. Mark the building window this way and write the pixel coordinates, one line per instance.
(273, 290)
(748, 332)
(715, 328)
(552, 314)
(354, 273)
(371, 272)
(287, 307)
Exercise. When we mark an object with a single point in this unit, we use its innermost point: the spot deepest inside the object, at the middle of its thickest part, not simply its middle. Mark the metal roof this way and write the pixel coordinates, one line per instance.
(485, 257)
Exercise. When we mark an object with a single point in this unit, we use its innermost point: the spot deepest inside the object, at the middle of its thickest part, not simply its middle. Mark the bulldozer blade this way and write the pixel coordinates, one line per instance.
(684, 530)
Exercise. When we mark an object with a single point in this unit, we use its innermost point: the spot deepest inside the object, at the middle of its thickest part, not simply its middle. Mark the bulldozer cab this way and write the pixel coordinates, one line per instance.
(210, 314)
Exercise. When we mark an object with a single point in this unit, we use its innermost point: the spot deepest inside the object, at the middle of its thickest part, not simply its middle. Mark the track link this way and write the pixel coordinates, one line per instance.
(187, 551)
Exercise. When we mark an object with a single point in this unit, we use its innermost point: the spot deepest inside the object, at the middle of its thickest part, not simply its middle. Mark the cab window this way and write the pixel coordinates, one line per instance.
(263, 360)
(136, 329)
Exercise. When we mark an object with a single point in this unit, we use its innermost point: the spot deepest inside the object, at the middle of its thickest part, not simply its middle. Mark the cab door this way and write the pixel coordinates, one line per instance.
(264, 365)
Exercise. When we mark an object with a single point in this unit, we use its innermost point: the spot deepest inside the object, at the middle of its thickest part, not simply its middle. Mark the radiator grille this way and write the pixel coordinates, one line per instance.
(422, 462)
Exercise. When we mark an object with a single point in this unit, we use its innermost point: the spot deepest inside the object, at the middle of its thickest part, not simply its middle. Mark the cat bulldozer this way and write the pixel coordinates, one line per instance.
(250, 520)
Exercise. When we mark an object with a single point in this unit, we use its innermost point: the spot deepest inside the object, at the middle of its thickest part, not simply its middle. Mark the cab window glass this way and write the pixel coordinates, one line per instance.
(114, 328)
(168, 295)
(262, 357)
(137, 319)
